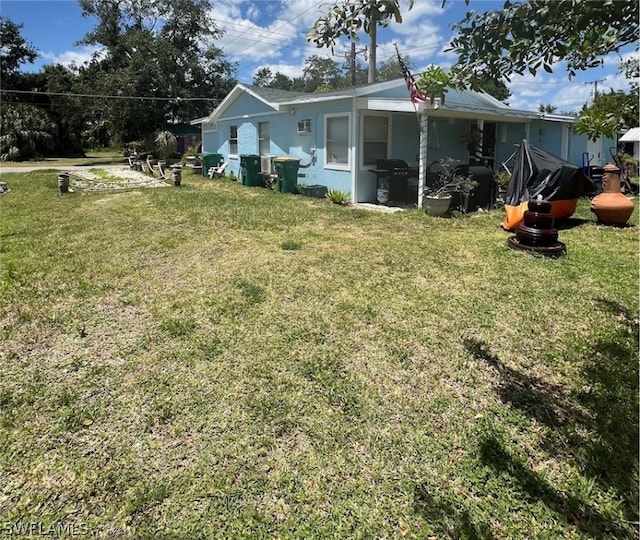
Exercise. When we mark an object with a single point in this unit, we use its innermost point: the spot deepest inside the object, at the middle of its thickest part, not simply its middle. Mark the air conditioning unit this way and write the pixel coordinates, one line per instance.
(304, 127)
(266, 165)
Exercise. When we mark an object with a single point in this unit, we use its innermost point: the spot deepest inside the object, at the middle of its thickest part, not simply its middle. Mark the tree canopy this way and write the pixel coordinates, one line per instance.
(159, 56)
(348, 17)
(322, 74)
(525, 36)
(14, 49)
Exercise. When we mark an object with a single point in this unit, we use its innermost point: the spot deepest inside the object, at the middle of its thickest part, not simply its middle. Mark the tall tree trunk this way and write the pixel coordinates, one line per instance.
(372, 54)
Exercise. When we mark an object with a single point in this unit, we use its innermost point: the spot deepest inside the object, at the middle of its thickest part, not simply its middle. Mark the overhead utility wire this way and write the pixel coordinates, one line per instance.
(237, 54)
(103, 96)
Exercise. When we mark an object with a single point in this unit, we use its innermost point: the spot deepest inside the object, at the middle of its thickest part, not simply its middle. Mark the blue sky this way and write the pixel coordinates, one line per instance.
(271, 33)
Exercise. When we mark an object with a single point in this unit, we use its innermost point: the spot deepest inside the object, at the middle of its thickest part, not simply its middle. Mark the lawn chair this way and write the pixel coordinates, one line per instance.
(217, 171)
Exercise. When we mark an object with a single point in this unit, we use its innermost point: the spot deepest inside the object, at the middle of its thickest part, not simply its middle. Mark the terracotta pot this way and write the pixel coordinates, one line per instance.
(612, 208)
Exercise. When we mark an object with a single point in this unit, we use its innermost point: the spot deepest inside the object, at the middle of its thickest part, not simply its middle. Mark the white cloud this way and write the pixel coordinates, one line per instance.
(77, 57)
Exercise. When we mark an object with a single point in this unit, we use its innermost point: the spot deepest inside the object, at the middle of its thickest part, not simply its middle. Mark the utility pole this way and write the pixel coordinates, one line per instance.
(595, 87)
(351, 63)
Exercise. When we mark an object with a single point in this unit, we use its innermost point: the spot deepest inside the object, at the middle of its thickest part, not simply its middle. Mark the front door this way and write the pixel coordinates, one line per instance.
(482, 143)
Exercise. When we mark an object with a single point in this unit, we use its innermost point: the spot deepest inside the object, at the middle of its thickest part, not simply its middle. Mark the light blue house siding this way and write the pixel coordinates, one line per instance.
(274, 123)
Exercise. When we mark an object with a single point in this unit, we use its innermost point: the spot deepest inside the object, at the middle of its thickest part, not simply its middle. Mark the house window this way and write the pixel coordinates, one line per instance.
(375, 139)
(264, 138)
(233, 140)
(337, 141)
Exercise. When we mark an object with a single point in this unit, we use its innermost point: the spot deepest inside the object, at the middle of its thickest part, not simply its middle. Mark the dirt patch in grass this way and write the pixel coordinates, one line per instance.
(113, 179)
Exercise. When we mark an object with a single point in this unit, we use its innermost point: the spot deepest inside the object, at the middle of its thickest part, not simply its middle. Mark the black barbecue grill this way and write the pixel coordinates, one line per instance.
(394, 175)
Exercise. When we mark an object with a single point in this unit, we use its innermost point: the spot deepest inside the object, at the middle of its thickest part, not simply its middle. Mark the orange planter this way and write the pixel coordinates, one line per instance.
(611, 207)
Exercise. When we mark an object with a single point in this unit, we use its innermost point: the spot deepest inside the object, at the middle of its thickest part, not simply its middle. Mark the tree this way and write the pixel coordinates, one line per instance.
(609, 114)
(494, 87)
(547, 108)
(69, 112)
(529, 35)
(14, 50)
(27, 132)
(159, 63)
(322, 73)
(390, 70)
(263, 77)
(166, 144)
(349, 17)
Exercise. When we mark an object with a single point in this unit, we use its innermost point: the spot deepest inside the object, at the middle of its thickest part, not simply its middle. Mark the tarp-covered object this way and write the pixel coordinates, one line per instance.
(536, 172)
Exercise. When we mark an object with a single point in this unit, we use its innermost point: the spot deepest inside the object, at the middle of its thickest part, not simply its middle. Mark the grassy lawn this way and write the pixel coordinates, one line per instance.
(217, 361)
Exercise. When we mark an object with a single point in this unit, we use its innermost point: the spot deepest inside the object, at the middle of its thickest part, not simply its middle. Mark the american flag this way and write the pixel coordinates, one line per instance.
(417, 95)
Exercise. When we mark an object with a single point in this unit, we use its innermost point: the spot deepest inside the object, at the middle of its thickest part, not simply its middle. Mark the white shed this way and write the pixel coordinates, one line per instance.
(633, 135)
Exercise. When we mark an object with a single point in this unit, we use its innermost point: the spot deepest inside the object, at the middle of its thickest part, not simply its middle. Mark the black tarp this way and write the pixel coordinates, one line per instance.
(536, 172)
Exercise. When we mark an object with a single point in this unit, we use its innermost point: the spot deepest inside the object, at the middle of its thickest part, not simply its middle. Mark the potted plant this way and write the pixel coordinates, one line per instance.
(434, 82)
(166, 145)
(448, 181)
(502, 179)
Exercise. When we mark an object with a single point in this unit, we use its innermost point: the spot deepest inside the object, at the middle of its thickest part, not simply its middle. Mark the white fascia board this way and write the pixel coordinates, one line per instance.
(382, 104)
(245, 116)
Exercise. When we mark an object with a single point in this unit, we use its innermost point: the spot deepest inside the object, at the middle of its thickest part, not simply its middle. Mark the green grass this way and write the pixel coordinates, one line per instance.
(217, 361)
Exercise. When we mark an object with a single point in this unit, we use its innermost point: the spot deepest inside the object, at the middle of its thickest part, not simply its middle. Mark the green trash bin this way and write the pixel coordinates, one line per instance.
(209, 159)
(287, 169)
(250, 170)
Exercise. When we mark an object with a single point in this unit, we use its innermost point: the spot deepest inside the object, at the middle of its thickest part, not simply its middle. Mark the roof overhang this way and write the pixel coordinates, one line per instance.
(458, 110)
(633, 135)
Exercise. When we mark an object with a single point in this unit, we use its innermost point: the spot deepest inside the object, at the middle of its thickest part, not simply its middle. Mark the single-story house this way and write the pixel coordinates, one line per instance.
(339, 136)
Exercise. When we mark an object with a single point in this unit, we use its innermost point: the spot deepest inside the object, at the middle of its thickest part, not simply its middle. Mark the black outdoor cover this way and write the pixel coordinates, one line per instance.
(537, 172)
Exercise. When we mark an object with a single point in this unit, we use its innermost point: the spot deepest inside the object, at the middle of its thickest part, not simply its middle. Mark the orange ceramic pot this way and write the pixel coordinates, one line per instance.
(612, 208)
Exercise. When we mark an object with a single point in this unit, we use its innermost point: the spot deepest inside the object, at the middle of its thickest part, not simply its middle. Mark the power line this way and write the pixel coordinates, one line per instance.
(104, 96)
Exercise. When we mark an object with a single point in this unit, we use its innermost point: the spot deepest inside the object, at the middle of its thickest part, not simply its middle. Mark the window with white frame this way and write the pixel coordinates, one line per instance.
(375, 139)
(233, 140)
(264, 138)
(337, 141)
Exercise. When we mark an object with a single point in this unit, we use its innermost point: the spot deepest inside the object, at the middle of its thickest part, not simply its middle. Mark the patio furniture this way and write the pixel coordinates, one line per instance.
(217, 171)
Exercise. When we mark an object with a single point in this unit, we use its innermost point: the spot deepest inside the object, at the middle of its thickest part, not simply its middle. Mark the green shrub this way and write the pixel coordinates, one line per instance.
(338, 197)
